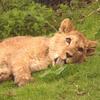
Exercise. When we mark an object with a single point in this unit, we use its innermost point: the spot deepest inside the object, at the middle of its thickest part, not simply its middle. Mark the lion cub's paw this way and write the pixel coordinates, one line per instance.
(23, 81)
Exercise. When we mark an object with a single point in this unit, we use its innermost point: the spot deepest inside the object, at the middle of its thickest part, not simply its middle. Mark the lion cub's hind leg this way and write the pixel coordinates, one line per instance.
(5, 72)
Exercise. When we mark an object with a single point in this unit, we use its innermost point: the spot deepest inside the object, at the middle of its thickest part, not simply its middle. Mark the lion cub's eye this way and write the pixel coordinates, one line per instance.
(80, 49)
(68, 40)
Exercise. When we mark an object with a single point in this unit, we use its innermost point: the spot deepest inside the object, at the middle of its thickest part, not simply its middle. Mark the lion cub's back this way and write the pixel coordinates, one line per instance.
(20, 41)
(11, 45)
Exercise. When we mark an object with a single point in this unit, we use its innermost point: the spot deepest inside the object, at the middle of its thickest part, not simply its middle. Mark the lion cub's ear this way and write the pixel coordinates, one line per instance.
(91, 46)
(66, 26)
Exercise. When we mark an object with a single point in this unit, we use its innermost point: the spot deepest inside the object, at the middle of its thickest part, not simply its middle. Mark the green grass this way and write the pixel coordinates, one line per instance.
(75, 82)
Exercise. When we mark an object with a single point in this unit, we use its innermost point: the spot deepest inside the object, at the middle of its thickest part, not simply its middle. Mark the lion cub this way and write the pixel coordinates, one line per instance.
(22, 55)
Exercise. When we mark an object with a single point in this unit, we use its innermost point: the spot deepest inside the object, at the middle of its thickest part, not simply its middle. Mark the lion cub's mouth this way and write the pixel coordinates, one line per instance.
(59, 61)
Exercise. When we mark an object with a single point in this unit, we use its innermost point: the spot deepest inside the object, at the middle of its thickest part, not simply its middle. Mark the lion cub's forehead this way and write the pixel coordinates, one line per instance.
(73, 37)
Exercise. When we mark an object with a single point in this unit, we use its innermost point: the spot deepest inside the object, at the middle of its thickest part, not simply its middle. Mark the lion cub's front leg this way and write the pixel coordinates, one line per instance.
(22, 74)
(5, 72)
(20, 69)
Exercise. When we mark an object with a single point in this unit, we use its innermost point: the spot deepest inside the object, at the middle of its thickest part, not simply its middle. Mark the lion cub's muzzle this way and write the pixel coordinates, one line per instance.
(59, 61)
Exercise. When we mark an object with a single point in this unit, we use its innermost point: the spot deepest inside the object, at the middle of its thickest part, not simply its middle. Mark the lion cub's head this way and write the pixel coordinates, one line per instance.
(80, 46)
(70, 45)
(68, 48)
